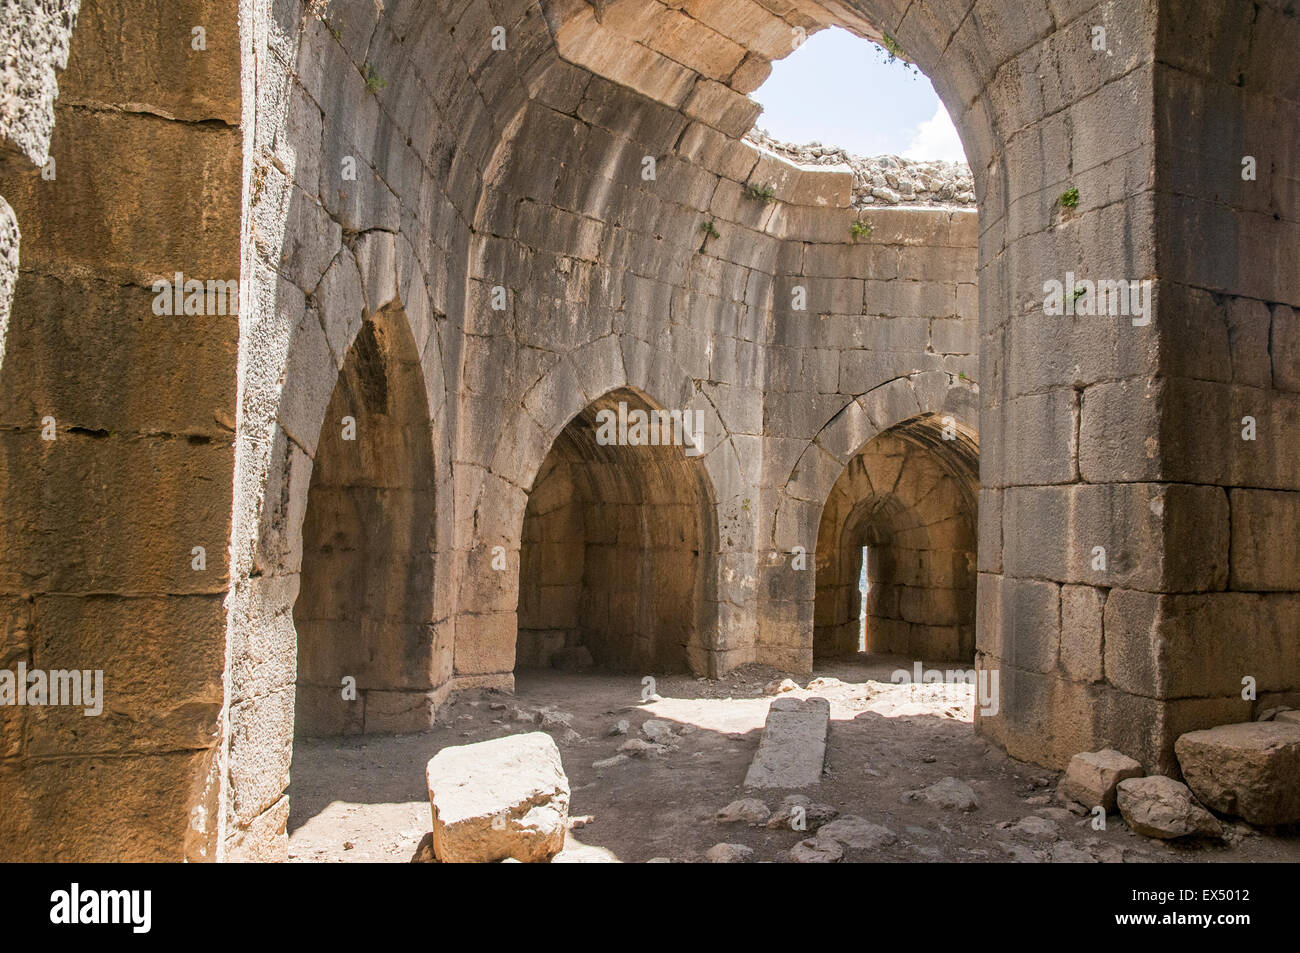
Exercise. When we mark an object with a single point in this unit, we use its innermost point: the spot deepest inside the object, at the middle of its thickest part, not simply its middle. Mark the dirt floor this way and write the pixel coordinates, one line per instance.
(364, 798)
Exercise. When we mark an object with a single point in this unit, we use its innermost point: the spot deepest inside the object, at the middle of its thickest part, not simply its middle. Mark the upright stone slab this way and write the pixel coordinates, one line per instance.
(793, 747)
(506, 798)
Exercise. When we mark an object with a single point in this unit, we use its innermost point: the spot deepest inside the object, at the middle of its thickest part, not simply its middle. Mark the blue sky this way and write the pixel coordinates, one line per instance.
(836, 88)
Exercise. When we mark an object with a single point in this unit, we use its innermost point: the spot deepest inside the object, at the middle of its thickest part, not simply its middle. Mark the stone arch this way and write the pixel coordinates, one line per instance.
(369, 308)
(908, 499)
(933, 394)
(365, 606)
(488, 598)
(796, 524)
(617, 547)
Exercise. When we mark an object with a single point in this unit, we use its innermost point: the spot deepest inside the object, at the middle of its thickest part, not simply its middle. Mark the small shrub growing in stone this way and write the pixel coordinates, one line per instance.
(374, 82)
(760, 193)
(1070, 197)
(859, 230)
(894, 53)
(709, 229)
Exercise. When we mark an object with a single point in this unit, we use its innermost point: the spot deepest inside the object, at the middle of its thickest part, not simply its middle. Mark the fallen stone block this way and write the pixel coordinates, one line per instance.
(1034, 827)
(1066, 853)
(950, 794)
(506, 798)
(1249, 770)
(1091, 777)
(555, 720)
(792, 750)
(659, 731)
(728, 854)
(576, 852)
(798, 813)
(1162, 807)
(570, 737)
(523, 716)
(637, 748)
(858, 833)
(750, 810)
(1268, 714)
(815, 850)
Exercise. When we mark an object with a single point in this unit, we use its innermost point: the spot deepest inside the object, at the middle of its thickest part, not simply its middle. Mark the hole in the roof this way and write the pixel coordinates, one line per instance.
(839, 98)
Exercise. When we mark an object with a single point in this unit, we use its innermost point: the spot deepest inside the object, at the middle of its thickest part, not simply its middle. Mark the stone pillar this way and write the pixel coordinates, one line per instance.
(1138, 560)
(116, 427)
(1070, 515)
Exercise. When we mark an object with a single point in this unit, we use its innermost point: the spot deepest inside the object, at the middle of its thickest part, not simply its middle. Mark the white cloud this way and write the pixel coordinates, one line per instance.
(936, 138)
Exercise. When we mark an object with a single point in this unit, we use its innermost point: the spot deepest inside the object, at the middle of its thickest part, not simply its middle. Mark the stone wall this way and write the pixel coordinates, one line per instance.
(884, 180)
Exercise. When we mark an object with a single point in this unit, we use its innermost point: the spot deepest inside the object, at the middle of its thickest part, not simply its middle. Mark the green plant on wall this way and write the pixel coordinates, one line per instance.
(710, 231)
(1070, 198)
(859, 230)
(374, 82)
(894, 54)
(760, 193)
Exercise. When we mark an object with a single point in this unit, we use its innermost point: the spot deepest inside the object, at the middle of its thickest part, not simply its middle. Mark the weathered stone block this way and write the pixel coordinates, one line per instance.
(1163, 808)
(792, 748)
(1082, 609)
(1265, 544)
(1092, 777)
(496, 799)
(1249, 770)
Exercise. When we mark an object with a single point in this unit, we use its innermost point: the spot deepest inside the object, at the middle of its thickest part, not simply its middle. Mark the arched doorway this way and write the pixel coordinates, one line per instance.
(896, 547)
(365, 606)
(618, 545)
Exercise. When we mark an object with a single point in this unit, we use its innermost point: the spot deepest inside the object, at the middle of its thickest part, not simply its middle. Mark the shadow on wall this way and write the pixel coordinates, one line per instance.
(909, 499)
(618, 547)
(365, 607)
